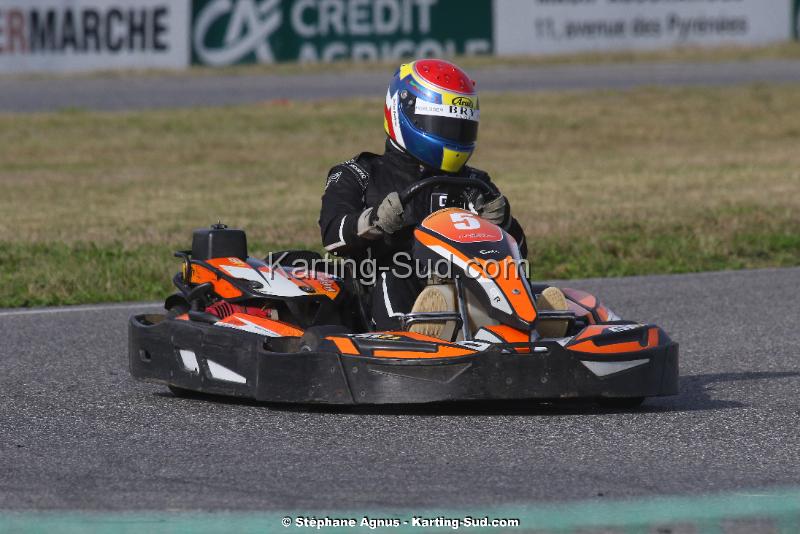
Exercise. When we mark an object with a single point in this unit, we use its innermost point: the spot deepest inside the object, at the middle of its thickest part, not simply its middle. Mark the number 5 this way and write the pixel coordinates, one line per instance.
(464, 221)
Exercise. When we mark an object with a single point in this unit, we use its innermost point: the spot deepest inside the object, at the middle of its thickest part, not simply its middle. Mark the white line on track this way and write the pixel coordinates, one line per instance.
(71, 309)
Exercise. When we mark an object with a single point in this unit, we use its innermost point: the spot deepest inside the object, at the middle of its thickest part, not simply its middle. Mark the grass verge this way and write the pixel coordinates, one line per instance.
(605, 183)
(42, 274)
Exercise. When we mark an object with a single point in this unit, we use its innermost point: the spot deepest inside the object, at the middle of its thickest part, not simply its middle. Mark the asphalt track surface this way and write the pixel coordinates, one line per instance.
(169, 91)
(78, 433)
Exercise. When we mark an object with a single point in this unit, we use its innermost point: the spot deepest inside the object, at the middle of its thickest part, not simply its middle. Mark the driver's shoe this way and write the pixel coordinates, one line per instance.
(435, 298)
(552, 298)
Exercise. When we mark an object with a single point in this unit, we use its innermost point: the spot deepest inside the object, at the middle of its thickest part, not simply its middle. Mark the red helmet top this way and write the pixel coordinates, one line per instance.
(445, 75)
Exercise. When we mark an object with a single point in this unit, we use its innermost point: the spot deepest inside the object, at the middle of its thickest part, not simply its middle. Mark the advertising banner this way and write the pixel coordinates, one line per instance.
(82, 35)
(563, 26)
(226, 32)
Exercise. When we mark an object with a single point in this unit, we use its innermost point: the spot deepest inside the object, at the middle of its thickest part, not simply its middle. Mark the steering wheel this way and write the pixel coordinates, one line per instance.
(414, 189)
(411, 191)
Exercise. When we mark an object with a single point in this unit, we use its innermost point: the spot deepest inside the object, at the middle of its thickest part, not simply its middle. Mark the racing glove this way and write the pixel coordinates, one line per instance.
(496, 211)
(386, 219)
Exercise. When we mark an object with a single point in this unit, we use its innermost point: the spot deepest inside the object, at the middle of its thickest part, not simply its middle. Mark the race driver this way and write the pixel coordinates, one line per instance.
(431, 120)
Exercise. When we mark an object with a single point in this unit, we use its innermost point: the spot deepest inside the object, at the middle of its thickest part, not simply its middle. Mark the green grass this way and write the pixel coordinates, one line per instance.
(38, 274)
(605, 183)
(57, 273)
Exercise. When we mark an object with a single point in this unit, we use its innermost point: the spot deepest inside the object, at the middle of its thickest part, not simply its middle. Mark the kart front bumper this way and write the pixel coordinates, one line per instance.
(208, 359)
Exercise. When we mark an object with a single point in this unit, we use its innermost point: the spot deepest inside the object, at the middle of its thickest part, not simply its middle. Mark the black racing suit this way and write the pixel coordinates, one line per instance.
(363, 182)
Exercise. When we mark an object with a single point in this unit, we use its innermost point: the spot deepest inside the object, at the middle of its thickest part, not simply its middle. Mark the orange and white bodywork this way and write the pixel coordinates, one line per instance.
(403, 345)
(222, 334)
(262, 279)
(612, 339)
(487, 259)
(260, 325)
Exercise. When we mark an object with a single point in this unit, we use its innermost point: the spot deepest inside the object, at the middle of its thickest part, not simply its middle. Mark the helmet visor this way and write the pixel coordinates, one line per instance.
(458, 124)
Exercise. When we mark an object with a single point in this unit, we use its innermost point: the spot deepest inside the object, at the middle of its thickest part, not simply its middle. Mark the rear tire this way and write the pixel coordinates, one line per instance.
(620, 403)
(313, 337)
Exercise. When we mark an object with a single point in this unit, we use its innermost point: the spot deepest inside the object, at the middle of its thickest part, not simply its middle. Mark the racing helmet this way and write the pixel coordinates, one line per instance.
(432, 113)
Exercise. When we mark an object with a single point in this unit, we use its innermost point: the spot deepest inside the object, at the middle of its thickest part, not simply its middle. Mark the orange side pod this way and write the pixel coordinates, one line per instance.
(223, 288)
(589, 346)
(443, 349)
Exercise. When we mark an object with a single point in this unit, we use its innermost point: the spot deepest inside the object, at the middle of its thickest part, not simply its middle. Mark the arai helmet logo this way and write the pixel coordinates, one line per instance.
(463, 101)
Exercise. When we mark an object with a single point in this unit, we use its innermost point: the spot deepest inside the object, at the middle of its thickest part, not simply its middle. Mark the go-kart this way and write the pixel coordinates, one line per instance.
(290, 331)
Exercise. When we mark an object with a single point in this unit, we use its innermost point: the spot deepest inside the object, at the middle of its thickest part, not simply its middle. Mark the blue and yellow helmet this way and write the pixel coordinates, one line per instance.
(432, 112)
